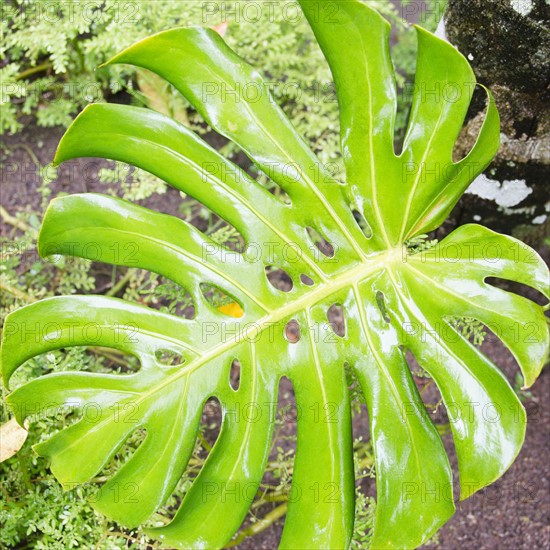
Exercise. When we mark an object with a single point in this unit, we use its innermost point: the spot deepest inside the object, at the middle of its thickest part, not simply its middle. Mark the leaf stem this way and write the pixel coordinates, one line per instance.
(16, 292)
(12, 220)
(33, 70)
(121, 284)
(259, 526)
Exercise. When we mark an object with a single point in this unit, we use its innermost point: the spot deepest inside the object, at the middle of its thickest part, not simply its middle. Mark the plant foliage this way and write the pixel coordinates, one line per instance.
(52, 49)
(393, 300)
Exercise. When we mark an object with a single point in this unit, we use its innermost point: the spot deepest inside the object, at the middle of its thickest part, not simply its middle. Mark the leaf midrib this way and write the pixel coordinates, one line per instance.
(381, 224)
(352, 276)
(412, 192)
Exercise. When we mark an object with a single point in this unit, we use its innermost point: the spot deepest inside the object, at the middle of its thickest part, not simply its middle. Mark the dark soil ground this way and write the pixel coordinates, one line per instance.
(514, 513)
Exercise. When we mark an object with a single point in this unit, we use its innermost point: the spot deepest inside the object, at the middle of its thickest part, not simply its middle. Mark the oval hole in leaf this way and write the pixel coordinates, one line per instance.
(434, 407)
(204, 219)
(211, 423)
(229, 238)
(284, 446)
(356, 393)
(235, 374)
(335, 316)
(116, 360)
(487, 337)
(406, 85)
(168, 358)
(101, 360)
(208, 433)
(267, 183)
(125, 413)
(477, 109)
(163, 294)
(362, 223)
(306, 280)
(428, 390)
(221, 301)
(320, 242)
(292, 331)
(381, 303)
(279, 193)
(105, 360)
(209, 222)
(287, 409)
(277, 476)
(279, 278)
(518, 288)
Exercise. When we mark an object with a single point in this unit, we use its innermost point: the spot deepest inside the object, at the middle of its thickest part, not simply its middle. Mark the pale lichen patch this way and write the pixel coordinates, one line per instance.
(523, 7)
(508, 193)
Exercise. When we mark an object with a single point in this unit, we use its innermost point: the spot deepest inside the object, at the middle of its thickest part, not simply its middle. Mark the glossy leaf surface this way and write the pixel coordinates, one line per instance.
(393, 301)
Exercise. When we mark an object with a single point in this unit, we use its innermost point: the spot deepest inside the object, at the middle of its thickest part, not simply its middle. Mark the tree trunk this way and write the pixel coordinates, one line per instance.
(508, 45)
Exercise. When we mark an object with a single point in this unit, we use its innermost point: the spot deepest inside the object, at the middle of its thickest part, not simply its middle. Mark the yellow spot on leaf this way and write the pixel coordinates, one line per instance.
(233, 310)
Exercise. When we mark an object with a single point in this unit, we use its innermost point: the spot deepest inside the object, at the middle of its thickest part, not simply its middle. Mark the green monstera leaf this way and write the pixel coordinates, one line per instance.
(393, 301)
